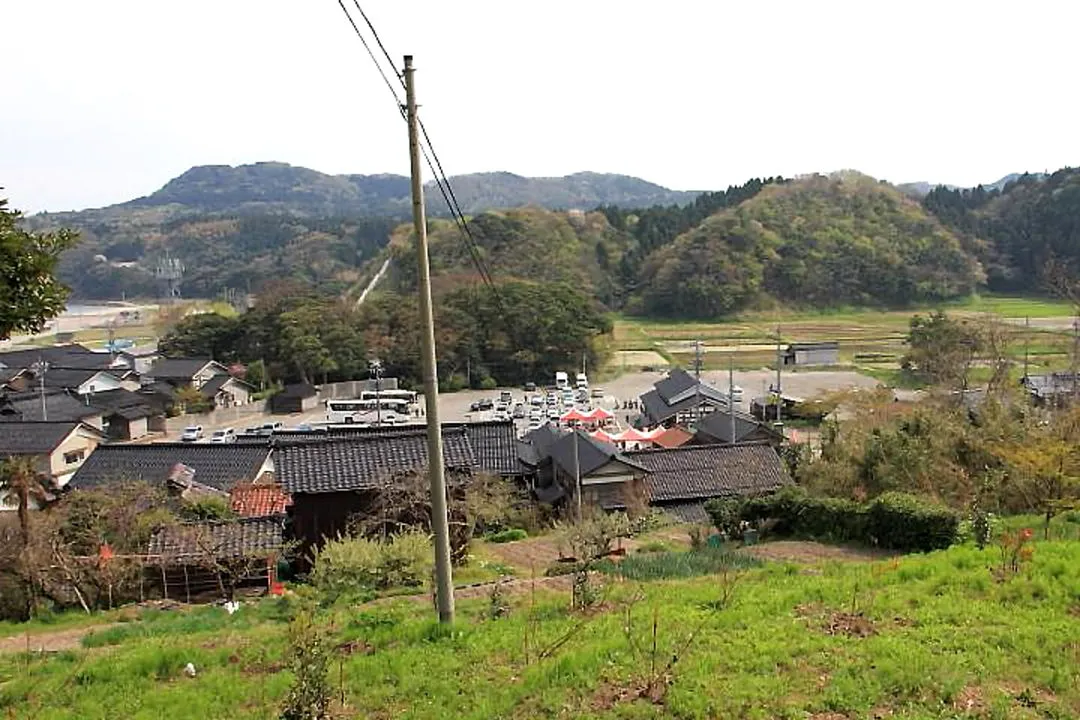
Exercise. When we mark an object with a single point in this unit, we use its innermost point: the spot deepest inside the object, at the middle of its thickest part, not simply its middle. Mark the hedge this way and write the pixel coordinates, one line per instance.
(896, 521)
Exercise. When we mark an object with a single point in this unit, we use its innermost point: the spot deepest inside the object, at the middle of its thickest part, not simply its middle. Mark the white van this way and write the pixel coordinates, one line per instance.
(562, 380)
(582, 381)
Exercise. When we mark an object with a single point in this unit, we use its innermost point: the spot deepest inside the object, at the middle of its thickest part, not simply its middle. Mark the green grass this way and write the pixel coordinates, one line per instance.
(668, 565)
(943, 634)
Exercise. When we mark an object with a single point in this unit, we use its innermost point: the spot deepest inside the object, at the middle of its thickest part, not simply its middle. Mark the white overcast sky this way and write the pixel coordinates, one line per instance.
(105, 101)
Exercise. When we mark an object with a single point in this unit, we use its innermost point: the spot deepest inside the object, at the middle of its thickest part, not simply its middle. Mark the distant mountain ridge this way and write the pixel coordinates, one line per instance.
(275, 187)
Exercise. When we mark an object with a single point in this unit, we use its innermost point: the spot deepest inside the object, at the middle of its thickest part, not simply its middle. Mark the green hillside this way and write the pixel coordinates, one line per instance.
(818, 241)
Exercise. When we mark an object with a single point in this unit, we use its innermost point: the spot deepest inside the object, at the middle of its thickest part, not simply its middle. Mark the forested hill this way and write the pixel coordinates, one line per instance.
(279, 188)
(1023, 224)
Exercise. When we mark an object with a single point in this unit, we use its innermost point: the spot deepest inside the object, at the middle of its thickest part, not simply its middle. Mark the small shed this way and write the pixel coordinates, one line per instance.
(219, 556)
(819, 353)
(295, 399)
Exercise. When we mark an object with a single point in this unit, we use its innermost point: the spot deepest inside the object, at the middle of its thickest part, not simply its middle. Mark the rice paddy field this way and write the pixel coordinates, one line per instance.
(873, 340)
(671, 635)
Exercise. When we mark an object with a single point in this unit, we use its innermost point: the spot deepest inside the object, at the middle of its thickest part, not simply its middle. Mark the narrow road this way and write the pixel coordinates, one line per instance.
(374, 281)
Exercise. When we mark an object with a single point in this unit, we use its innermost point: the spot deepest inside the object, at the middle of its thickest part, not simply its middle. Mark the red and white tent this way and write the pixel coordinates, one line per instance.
(574, 415)
(599, 415)
(602, 436)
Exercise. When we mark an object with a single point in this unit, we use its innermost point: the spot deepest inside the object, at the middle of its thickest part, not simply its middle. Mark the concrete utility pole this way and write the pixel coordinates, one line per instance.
(779, 390)
(376, 370)
(731, 395)
(440, 526)
(40, 368)
(695, 413)
(1027, 340)
(577, 474)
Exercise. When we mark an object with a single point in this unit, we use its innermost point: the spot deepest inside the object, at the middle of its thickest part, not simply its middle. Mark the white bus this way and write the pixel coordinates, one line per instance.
(351, 411)
(409, 396)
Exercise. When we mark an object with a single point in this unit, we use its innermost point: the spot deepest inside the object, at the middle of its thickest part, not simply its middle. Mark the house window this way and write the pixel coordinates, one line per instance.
(74, 456)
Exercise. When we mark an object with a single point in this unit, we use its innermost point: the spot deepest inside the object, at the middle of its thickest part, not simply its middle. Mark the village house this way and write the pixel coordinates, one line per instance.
(331, 479)
(680, 399)
(217, 466)
(815, 353)
(678, 479)
(716, 429)
(61, 448)
(59, 406)
(210, 378)
(681, 480)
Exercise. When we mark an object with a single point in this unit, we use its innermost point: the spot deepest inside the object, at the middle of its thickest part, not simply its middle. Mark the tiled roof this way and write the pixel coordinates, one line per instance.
(657, 410)
(692, 511)
(210, 387)
(258, 500)
(717, 425)
(128, 405)
(65, 377)
(673, 437)
(218, 465)
(362, 462)
(33, 438)
(73, 355)
(592, 454)
(677, 381)
(59, 405)
(177, 368)
(258, 536)
(693, 472)
(493, 444)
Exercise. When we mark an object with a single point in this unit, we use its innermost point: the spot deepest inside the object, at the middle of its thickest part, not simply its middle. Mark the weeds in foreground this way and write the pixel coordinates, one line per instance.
(309, 658)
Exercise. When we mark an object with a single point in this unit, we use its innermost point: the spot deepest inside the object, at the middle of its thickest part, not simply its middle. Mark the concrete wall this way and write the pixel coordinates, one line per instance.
(236, 416)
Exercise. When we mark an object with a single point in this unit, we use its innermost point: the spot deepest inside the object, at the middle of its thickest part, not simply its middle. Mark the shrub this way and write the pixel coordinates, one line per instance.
(309, 659)
(488, 383)
(905, 522)
(208, 507)
(349, 565)
(726, 514)
(894, 520)
(509, 535)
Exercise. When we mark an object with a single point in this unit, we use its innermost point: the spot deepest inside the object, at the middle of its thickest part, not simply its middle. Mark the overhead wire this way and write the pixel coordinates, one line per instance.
(442, 182)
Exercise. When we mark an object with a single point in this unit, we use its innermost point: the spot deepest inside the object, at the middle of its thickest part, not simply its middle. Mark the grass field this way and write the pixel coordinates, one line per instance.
(869, 338)
(934, 636)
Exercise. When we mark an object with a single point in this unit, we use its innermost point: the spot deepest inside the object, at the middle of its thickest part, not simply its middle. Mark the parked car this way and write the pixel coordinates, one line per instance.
(519, 411)
(536, 400)
(506, 397)
(191, 433)
(270, 428)
(224, 435)
(482, 405)
(597, 392)
(530, 387)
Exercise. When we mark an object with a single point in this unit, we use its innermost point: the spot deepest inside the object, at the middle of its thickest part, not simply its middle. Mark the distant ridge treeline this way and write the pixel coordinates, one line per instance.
(815, 241)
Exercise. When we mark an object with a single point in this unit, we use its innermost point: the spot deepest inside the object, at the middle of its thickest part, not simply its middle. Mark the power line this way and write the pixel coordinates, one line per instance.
(442, 182)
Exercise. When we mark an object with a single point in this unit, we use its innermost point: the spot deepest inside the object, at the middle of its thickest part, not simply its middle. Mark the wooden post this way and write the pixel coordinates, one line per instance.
(187, 585)
(164, 583)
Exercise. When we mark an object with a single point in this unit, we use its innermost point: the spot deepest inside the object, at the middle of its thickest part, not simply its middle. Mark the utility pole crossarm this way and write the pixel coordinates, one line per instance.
(444, 588)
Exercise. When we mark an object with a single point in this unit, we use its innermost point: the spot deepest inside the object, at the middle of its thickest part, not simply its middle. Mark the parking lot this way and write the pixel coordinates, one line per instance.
(455, 407)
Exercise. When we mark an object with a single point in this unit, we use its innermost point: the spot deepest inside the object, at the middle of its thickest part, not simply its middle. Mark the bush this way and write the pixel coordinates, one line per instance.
(894, 520)
(348, 565)
(905, 522)
(208, 507)
(488, 383)
(726, 514)
(510, 535)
